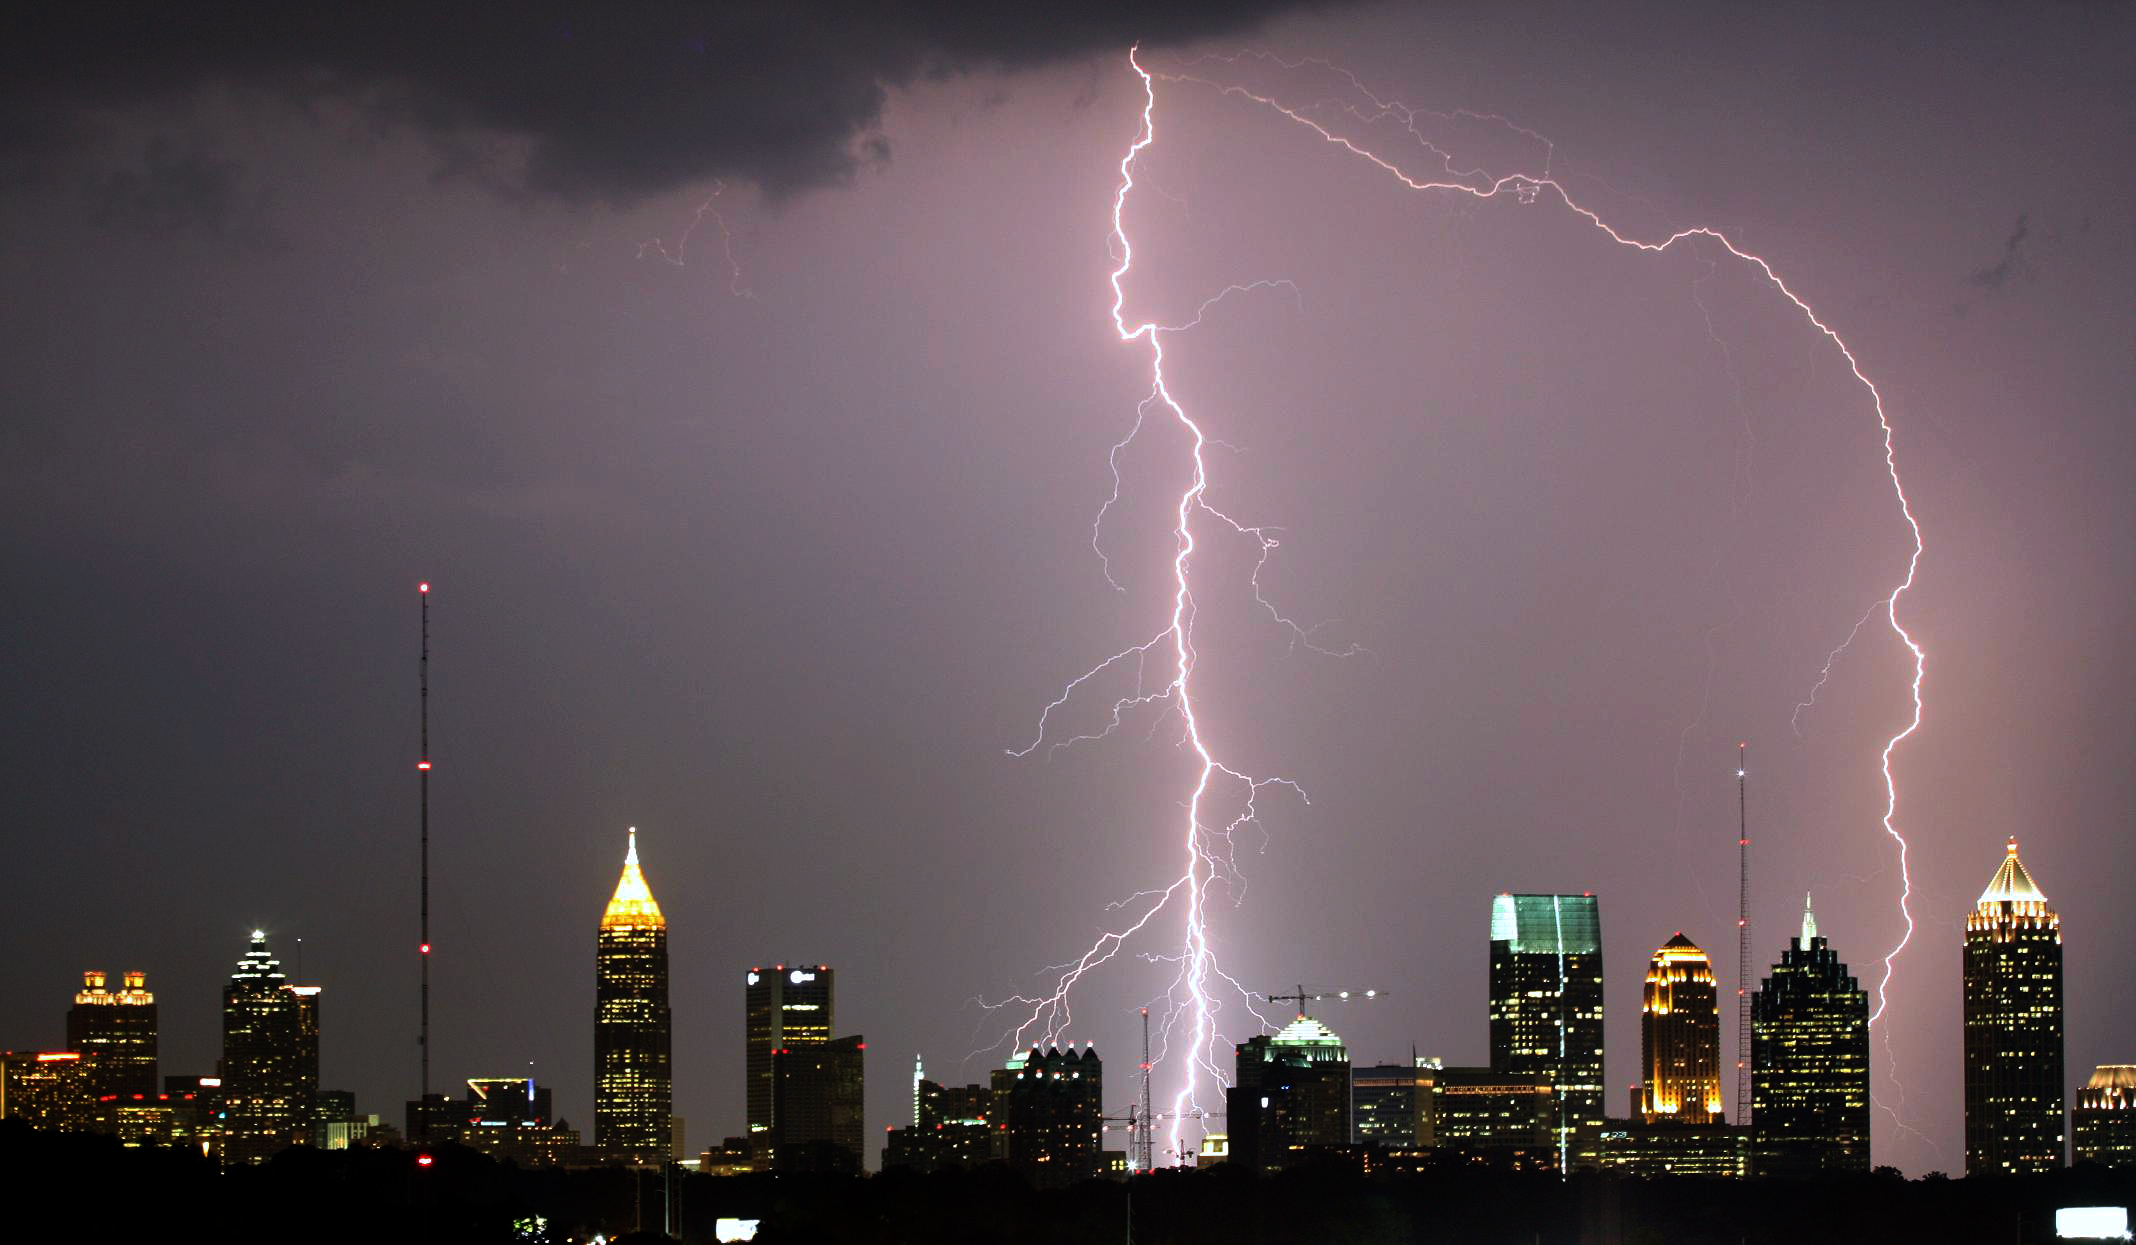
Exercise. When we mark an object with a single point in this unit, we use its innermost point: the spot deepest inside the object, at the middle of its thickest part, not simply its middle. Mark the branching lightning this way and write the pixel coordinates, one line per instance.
(1191, 1001)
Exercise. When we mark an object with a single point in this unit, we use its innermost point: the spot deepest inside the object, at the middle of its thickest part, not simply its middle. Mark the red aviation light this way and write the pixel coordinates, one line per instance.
(424, 1160)
(423, 587)
(425, 948)
(423, 765)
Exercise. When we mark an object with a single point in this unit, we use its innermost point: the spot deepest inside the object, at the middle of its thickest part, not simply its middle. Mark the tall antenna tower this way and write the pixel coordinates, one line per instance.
(1146, 1131)
(1742, 1086)
(422, 770)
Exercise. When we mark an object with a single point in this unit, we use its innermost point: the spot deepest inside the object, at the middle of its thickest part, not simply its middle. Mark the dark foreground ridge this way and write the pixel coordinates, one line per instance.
(86, 1187)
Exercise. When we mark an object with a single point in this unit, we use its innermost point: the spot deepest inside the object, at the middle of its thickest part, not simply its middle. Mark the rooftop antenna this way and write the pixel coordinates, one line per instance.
(422, 770)
(1742, 1086)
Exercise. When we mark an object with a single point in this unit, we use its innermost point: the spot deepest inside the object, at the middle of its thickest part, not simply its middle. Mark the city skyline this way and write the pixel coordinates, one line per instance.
(768, 494)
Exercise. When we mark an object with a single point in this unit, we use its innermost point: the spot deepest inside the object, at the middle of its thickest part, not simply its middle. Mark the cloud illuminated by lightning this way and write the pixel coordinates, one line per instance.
(1193, 1004)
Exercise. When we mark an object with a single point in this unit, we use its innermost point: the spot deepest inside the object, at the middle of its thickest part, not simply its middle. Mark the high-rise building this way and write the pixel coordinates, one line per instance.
(1809, 1062)
(2102, 1127)
(1390, 1104)
(818, 1092)
(2013, 1026)
(786, 1005)
(270, 1063)
(119, 1028)
(1052, 1115)
(1680, 1036)
(952, 1126)
(52, 1089)
(1546, 1008)
(1291, 1092)
(633, 1087)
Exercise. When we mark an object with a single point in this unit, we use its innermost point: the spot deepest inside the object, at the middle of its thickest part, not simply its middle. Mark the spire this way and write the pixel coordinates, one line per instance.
(1809, 922)
(2011, 882)
(633, 904)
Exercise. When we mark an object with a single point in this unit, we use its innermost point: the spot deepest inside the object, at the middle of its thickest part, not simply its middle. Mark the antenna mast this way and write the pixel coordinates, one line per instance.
(1147, 1130)
(422, 770)
(1742, 1086)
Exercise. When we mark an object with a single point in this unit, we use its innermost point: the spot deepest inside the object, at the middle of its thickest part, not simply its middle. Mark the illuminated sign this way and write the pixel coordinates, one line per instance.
(734, 1229)
(752, 977)
(800, 975)
(2092, 1223)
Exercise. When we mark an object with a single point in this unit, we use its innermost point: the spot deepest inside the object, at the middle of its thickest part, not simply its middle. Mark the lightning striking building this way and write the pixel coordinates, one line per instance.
(118, 1027)
(270, 1063)
(1809, 1061)
(2013, 1026)
(1680, 1036)
(633, 1085)
(1546, 1008)
(785, 1006)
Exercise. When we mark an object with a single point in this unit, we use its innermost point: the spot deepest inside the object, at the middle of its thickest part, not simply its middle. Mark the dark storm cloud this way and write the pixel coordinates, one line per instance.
(614, 100)
(1998, 274)
(175, 187)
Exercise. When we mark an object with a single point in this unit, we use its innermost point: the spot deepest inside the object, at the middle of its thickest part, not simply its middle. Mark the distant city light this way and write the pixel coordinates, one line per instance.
(2091, 1223)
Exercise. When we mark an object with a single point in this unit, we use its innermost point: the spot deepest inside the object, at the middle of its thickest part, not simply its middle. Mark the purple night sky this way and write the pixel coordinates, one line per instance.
(775, 557)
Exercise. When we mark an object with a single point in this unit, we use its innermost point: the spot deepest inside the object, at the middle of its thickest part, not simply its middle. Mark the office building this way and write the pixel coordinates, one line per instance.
(119, 1028)
(2102, 1127)
(785, 1006)
(1291, 1093)
(817, 1097)
(1680, 1036)
(1663, 1146)
(2013, 1026)
(1809, 1062)
(952, 1127)
(1501, 1118)
(53, 1090)
(1546, 1008)
(1052, 1114)
(270, 1063)
(633, 1087)
(1390, 1104)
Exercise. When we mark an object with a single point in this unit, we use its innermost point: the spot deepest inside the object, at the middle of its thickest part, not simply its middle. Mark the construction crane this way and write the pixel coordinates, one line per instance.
(1302, 996)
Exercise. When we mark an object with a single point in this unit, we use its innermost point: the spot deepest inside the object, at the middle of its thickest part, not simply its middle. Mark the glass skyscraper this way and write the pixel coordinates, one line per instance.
(2013, 1026)
(1809, 1062)
(270, 1063)
(1546, 1008)
(633, 1094)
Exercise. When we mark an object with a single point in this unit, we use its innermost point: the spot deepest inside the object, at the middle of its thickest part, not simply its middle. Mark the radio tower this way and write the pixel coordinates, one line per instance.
(1742, 1086)
(1148, 1130)
(422, 771)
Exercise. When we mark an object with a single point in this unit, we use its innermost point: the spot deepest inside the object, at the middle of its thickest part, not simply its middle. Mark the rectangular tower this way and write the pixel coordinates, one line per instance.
(2013, 1027)
(786, 1005)
(1546, 1008)
(119, 1028)
(818, 1092)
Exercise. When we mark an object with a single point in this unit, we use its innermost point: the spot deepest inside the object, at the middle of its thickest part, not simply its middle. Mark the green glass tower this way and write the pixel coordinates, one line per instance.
(1546, 1008)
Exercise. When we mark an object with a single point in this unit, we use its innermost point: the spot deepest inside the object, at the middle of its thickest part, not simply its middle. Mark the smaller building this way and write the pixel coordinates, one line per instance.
(1291, 1095)
(1501, 1118)
(54, 1090)
(2102, 1126)
(818, 1093)
(505, 1117)
(1390, 1104)
(1666, 1147)
(953, 1127)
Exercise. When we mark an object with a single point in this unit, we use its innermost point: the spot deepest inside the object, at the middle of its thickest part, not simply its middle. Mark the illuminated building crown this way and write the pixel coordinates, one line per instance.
(2011, 883)
(633, 905)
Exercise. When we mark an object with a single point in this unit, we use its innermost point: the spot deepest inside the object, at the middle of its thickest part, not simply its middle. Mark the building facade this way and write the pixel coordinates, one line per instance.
(1546, 1008)
(1809, 1062)
(2013, 1026)
(119, 1028)
(53, 1090)
(1497, 1117)
(1291, 1093)
(1390, 1104)
(1680, 1036)
(270, 1063)
(633, 1085)
(785, 1006)
(952, 1127)
(2102, 1127)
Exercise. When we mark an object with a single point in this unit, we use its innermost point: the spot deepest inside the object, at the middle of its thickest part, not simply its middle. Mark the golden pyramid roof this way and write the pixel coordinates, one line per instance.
(633, 905)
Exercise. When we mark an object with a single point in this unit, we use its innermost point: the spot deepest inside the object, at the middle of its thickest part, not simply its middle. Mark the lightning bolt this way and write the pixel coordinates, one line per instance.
(1194, 1004)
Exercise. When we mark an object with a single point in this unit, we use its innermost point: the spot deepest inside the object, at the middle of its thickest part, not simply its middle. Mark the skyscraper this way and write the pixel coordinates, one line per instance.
(1680, 1036)
(818, 1092)
(2013, 1026)
(1292, 1091)
(1546, 1008)
(785, 1006)
(633, 1091)
(119, 1028)
(2102, 1128)
(1390, 1104)
(1809, 1062)
(270, 1063)
(1052, 1105)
